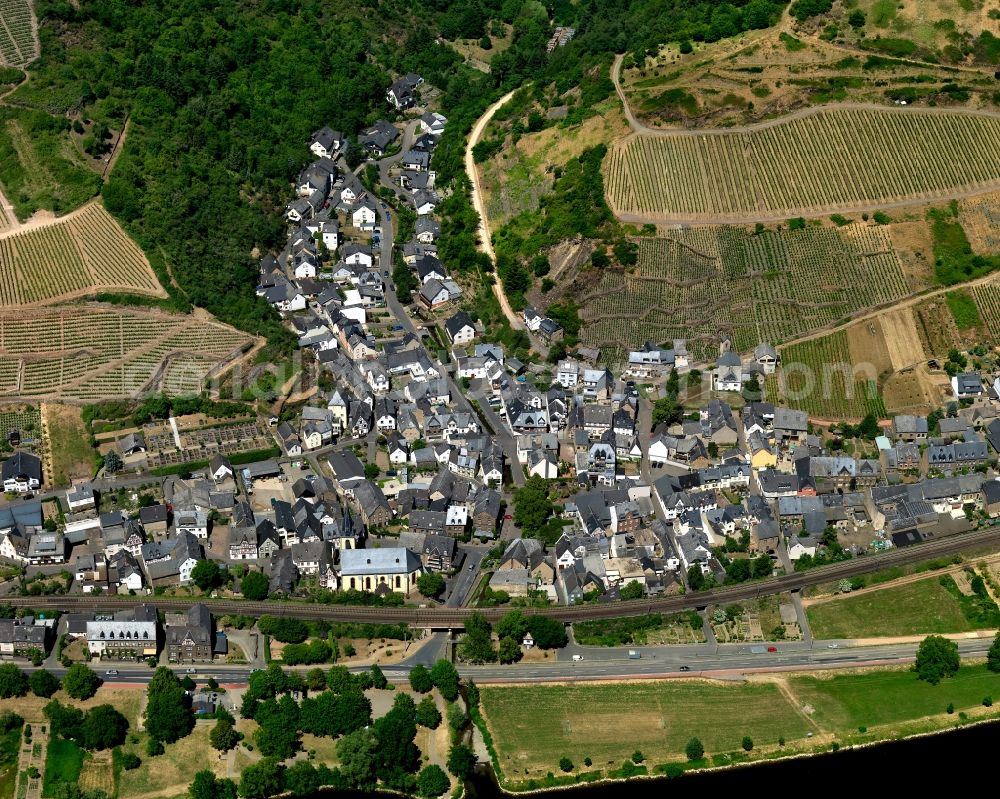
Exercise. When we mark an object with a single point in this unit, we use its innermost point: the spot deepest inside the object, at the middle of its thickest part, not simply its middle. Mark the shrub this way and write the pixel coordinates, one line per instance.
(130, 761)
(566, 764)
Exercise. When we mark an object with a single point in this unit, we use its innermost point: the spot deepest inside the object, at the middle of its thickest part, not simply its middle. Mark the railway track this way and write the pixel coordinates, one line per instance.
(444, 618)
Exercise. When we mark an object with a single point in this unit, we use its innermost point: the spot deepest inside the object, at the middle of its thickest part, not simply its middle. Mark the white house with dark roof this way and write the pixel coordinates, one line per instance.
(325, 142)
(22, 473)
(393, 569)
(967, 385)
(460, 328)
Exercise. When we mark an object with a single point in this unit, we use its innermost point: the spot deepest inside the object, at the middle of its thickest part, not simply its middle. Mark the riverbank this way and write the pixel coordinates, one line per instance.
(781, 716)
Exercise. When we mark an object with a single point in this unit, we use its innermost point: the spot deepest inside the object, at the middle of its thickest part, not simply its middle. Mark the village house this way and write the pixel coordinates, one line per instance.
(189, 636)
(22, 473)
(126, 635)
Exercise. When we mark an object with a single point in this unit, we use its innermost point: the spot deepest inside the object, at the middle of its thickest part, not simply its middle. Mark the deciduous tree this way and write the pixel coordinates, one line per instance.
(80, 681)
(937, 657)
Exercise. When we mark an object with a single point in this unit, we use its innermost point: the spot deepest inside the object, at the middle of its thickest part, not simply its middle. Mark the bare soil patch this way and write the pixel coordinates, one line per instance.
(914, 247)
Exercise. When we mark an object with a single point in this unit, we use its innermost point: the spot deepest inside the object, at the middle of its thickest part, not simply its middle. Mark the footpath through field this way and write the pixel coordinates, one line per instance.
(485, 239)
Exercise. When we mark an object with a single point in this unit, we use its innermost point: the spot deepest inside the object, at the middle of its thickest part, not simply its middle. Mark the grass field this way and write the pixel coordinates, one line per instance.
(171, 772)
(72, 455)
(846, 702)
(916, 608)
(63, 764)
(83, 253)
(40, 168)
(768, 286)
(964, 309)
(833, 159)
(759, 75)
(9, 742)
(533, 727)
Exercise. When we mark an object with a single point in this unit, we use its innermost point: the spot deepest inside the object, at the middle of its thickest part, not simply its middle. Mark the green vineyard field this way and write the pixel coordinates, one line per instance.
(87, 251)
(18, 43)
(87, 353)
(773, 286)
(832, 159)
(816, 377)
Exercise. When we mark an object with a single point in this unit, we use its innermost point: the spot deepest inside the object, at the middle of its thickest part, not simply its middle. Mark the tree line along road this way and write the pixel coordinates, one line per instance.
(447, 618)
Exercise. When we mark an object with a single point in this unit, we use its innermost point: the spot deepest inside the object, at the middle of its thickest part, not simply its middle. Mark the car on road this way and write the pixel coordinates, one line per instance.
(577, 657)
(832, 646)
(111, 673)
(397, 327)
(385, 273)
(190, 671)
(772, 649)
(685, 668)
(507, 517)
(472, 567)
(388, 217)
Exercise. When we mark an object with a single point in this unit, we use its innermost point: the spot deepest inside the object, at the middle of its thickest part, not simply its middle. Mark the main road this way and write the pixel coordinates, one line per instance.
(448, 618)
(699, 660)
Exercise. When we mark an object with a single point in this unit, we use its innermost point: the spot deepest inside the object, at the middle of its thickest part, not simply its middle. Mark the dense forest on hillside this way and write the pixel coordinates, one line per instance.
(221, 100)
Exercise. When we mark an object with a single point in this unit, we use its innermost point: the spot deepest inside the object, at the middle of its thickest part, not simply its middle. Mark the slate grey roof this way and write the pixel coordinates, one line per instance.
(390, 560)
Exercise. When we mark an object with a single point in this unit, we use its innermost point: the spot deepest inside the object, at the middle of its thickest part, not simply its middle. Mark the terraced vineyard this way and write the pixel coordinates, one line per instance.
(92, 352)
(18, 41)
(987, 297)
(817, 376)
(834, 159)
(84, 252)
(700, 282)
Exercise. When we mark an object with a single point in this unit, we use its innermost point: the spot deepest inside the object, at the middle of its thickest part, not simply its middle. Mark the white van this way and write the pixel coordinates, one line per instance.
(577, 657)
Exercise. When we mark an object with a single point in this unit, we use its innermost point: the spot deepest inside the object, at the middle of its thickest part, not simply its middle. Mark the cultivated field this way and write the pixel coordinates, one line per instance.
(695, 283)
(84, 252)
(818, 163)
(88, 352)
(18, 33)
(820, 377)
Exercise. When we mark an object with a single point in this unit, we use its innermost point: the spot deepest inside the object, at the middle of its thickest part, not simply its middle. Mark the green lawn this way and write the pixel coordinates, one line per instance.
(62, 764)
(534, 726)
(846, 702)
(72, 455)
(913, 609)
(9, 742)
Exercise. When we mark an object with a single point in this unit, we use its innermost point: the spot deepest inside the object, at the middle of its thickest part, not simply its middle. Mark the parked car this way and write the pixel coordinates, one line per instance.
(111, 673)
(685, 668)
